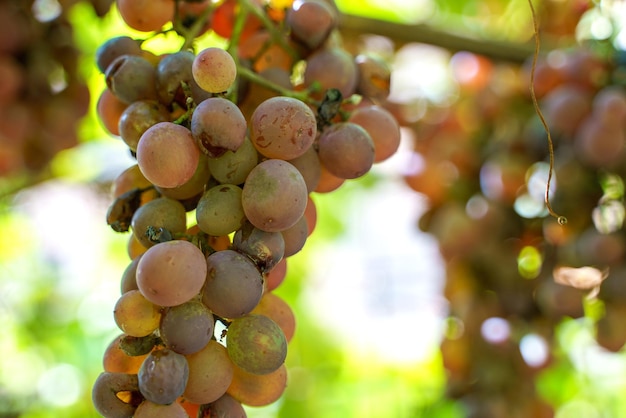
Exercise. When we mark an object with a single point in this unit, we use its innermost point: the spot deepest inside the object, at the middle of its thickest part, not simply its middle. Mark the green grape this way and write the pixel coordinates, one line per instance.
(162, 212)
(220, 211)
(256, 344)
(194, 186)
(233, 167)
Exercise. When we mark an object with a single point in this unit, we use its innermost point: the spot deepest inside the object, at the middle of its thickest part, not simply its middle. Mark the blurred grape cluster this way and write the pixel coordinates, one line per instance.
(514, 273)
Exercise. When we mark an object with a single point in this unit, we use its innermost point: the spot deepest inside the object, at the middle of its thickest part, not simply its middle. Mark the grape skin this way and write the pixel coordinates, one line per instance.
(163, 376)
(218, 126)
(233, 286)
(274, 195)
(167, 154)
(283, 127)
(214, 70)
(256, 344)
(171, 273)
(346, 150)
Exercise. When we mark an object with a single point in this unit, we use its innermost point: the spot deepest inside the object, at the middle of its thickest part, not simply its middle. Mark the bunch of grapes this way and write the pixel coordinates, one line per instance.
(42, 94)
(514, 273)
(237, 139)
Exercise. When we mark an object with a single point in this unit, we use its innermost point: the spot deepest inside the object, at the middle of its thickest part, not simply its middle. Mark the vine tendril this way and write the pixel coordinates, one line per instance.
(562, 220)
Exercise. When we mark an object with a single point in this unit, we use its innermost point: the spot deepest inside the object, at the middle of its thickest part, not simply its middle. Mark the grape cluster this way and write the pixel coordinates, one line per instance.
(514, 273)
(237, 139)
(42, 94)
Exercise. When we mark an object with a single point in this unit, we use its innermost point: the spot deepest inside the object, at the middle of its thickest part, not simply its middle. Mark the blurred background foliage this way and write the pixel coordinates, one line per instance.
(368, 290)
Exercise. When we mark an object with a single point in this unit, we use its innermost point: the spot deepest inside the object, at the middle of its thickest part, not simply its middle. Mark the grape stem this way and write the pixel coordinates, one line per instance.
(276, 35)
(562, 220)
(300, 95)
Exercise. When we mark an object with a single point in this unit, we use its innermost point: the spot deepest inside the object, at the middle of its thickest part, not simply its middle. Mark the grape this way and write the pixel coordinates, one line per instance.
(328, 181)
(130, 179)
(310, 213)
(295, 237)
(263, 53)
(109, 109)
(223, 21)
(218, 126)
(266, 249)
(214, 70)
(346, 150)
(382, 128)
(138, 117)
(131, 78)
(219, 210)
(255, 389)
(283, 127)
(210, 374)
(187, 328)
(275, 277)
(233, 285)
(171, 273)
(374, 77)
(135, 315)
(158, 213)
(275, 308)
(167, 154)
(105, 390)
(332, 68)
(115, 360)
(194, 186)
(135, 248)
(163, 376)
(148, 409)
(174, 70)
(274, 195)
(310, 21)
(256, 344)
(233, 167)
(146, 15)
(226, 407)
(115, 47)
(308, 164)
